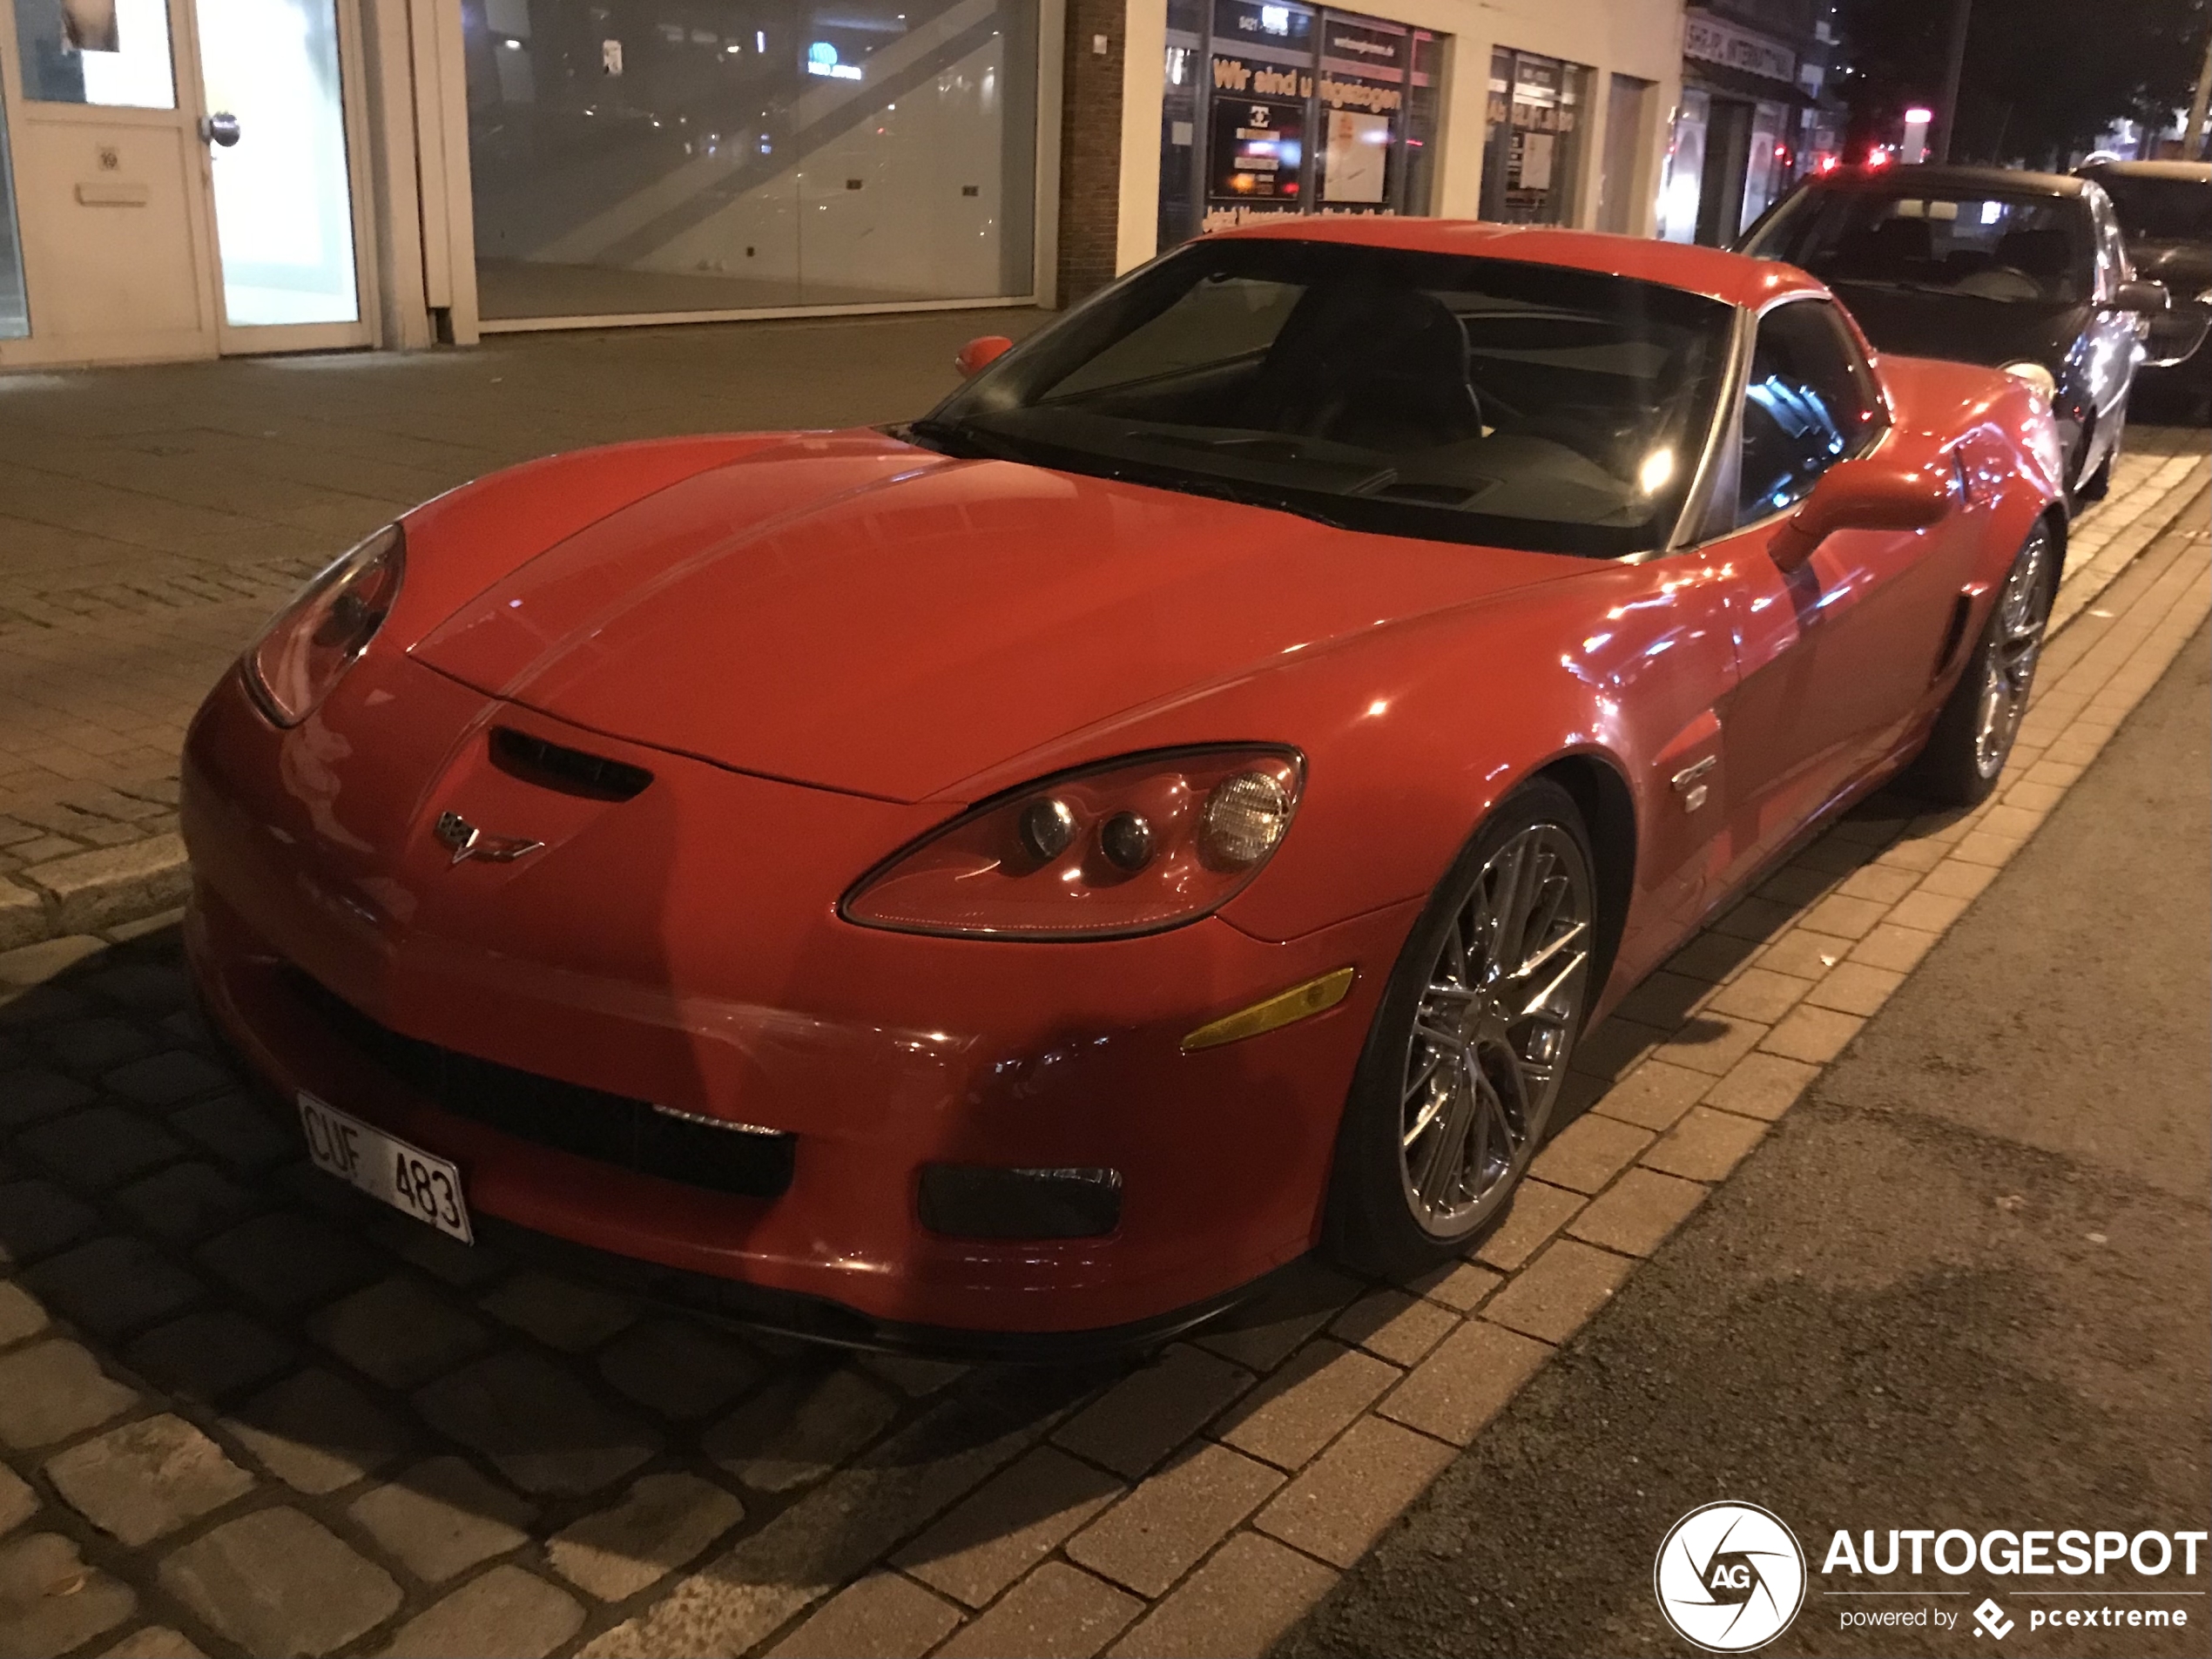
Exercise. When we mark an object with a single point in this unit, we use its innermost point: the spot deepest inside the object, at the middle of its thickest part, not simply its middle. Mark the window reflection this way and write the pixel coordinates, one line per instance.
(639, 158)
(111, 52)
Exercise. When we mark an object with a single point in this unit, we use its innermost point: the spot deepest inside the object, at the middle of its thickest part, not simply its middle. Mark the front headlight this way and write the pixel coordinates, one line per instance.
(309, 644)
(2036, 375)
(1128, 846)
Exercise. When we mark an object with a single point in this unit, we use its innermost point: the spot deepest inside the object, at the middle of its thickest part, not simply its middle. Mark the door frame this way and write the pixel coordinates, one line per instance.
(262, 340)
(216, 336)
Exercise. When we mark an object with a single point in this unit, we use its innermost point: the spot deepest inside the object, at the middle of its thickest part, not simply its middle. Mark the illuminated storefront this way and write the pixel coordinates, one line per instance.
(1270, 109)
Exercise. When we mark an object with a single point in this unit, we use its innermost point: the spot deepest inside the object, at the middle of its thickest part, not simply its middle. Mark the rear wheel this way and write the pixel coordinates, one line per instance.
(1973, 737)
(1464, 1062)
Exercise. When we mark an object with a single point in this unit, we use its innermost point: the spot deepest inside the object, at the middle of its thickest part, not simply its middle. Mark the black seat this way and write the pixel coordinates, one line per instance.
(1889, 250)
(1377, 367)
(2047, 251)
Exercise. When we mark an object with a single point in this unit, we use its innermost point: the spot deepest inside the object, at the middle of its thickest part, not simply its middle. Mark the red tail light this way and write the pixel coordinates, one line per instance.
(1131, 846)
(300, 656)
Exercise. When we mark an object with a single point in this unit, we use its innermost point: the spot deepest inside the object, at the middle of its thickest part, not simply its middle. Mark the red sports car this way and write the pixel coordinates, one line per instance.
(1007, 883)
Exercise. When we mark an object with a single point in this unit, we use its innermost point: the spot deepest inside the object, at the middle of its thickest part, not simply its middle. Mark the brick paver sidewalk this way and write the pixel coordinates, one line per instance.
(242, 1410)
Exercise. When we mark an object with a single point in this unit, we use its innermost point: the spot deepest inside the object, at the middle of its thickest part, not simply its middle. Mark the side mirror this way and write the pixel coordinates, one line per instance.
(1866, 495)
(2175, 336)
(2144, 299)
(980, 353)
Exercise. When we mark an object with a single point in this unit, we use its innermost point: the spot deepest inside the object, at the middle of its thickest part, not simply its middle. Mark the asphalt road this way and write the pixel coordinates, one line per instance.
(1967, 1284)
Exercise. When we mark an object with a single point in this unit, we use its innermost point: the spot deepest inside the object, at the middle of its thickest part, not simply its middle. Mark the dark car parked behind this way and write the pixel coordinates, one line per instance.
(2023, 271)
(2165, 210)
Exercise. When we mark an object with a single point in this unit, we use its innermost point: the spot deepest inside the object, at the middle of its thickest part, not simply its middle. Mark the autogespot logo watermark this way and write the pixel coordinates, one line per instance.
(1730, 1577)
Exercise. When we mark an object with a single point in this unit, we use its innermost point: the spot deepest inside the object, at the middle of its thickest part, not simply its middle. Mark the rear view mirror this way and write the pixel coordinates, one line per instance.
(980, 353)
(2146, 298)
(1867, 494)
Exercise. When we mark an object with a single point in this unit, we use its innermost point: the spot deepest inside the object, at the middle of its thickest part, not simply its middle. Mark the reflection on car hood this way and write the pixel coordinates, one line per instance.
(854, 612)
(1963, 328)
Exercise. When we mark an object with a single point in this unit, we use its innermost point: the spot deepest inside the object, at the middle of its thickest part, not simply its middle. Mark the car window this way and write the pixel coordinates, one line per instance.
(2161, 210)
(1808, 403)
(1975, 243)
(1449, 397)
(1211, 323)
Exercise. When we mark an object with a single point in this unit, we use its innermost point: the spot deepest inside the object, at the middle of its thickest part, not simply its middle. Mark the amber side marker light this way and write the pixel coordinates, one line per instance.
(1284, 1008)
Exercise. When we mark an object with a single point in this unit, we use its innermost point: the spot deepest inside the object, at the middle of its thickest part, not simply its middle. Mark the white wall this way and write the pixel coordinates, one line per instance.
(1638, 37)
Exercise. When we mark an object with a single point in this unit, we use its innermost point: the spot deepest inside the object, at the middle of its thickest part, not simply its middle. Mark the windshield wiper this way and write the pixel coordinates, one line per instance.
(966, 444)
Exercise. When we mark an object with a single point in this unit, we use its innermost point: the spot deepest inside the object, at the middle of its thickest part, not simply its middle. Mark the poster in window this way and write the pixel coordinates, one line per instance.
(1258, 145)
(1358, 159)
(1535, 161)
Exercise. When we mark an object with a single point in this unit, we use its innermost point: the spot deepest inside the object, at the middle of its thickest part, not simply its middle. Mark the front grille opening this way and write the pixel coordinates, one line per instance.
(572, 771)
(590, 1122)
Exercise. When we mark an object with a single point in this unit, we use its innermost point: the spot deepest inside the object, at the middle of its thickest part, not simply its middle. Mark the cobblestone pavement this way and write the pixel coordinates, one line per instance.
(242, 1410)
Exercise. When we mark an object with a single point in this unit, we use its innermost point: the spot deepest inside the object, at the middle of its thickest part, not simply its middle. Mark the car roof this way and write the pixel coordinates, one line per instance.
(1733, 279)
(2194, 171)
(1926, 176)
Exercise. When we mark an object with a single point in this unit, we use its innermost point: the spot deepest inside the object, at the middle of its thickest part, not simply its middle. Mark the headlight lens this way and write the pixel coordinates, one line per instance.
(2036, 375)
(1130, 846)
(312, 640)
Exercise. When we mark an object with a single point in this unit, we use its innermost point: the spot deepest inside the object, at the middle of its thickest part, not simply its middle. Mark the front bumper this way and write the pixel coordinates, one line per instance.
(682, 949)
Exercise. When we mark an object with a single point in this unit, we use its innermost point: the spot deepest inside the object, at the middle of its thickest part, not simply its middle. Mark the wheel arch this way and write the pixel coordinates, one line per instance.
(1602, 796)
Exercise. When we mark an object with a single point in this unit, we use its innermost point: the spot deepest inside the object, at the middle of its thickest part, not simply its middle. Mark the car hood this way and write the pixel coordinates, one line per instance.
(850, 611)
(1964, 329)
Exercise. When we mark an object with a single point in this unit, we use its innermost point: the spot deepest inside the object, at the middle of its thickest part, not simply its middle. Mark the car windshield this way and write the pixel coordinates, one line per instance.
(2161, 210)
(1980, 244)
(1426, 395)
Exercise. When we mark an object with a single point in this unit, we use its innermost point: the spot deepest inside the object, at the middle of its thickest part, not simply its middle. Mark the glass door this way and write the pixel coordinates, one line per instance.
(15, 310)
(284, 197)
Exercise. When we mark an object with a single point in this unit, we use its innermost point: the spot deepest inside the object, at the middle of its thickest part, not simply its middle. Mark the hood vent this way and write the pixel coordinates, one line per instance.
(553, 766)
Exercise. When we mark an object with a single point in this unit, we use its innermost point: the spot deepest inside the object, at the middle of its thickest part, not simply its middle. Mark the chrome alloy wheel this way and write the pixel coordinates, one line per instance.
(2014, 645)
(1500, 1008)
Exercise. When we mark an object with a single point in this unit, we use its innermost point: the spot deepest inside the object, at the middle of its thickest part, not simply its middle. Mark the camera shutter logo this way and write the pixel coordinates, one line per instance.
(1730, 1577)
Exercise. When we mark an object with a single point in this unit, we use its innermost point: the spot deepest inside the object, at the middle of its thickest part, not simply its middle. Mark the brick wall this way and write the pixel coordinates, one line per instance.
(1091, 147)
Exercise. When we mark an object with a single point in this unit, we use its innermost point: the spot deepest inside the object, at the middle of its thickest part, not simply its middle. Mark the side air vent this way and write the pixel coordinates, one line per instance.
(552, 765)
(1961, 612)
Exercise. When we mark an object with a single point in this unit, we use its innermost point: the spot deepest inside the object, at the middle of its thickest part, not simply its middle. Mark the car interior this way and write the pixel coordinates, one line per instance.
(1366, 388)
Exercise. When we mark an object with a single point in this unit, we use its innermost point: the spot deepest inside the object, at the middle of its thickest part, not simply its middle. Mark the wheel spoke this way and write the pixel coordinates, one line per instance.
(1442, 1161)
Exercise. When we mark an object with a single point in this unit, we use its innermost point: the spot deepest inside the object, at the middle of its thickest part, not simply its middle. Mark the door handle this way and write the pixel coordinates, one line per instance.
(220, 128)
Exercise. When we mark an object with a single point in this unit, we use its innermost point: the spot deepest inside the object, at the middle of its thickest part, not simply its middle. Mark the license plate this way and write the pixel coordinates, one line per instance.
(409, 1179)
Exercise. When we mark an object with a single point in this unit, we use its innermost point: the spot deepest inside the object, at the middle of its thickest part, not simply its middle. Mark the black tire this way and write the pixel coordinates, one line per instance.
(1967, 747)
(1489, 1101)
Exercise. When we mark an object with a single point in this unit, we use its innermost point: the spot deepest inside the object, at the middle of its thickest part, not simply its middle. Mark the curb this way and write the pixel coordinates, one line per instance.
(86, 892)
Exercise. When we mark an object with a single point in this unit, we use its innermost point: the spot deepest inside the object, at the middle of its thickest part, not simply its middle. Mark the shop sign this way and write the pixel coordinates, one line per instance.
(1709, 40)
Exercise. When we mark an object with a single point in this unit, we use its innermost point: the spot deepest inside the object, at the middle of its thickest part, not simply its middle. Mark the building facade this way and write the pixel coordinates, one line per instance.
(1754, 114)
(184, 178)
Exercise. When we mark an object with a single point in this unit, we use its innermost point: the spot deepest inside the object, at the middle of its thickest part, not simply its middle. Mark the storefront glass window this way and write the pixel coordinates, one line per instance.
(1683, 184)
(1766, 177)
(14, 314)
(1532, 156)
(726, 155)
(1278, 109)
(113, 52)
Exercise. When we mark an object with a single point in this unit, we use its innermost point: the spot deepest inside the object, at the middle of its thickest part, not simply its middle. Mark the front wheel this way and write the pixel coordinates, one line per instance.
(1973, 735)
(1471, 1041)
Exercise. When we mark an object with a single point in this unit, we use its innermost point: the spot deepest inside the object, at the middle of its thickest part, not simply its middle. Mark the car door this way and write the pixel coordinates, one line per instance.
(1837, 651)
